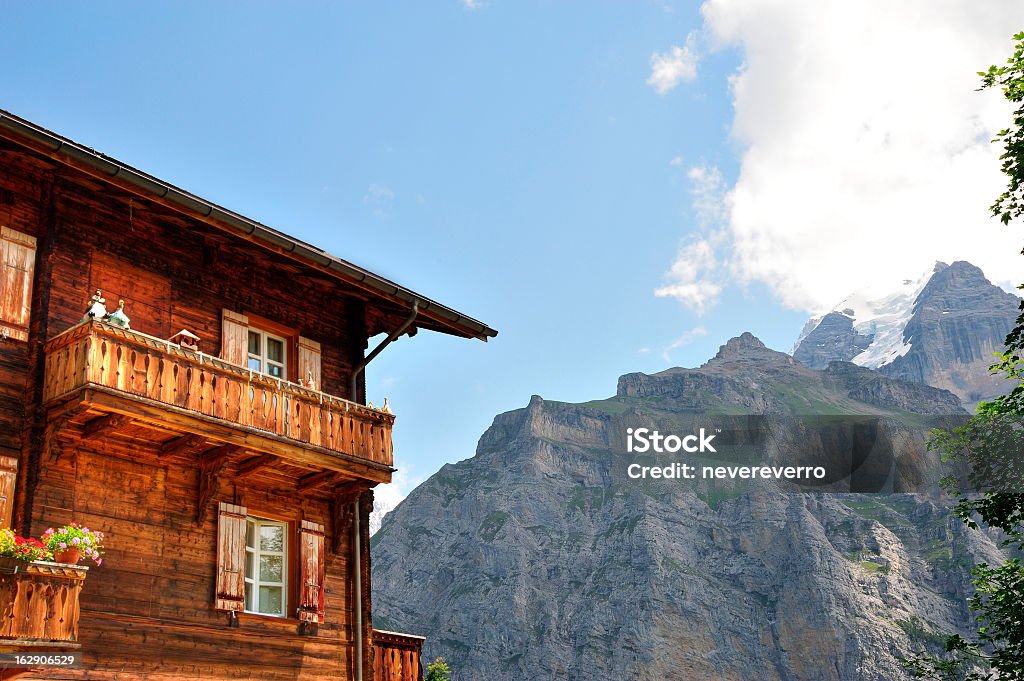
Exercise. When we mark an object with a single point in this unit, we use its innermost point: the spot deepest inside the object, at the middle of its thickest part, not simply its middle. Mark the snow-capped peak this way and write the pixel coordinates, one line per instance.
(881, 313)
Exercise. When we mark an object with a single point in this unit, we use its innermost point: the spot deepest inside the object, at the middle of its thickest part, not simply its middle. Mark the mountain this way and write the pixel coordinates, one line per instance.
(940, 329)
(540, 557)
(381, 507)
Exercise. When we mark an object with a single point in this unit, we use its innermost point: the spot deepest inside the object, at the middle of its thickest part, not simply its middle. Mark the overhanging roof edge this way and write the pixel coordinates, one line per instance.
(104, 166)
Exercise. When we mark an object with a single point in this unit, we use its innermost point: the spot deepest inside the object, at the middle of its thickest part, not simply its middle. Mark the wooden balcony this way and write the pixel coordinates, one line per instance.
(396, 657)
(111, 370)
(39, 604)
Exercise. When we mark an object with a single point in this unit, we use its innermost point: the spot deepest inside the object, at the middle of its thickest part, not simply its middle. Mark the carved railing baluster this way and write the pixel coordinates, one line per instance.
(39, 601)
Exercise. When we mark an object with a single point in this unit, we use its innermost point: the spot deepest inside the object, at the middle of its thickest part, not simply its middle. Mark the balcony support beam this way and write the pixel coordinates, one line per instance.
(180, 445)
(211, 463)
(255, 464)
(315, 480)
(164, 416)
(105, 425)
(219, 454)
(342, 504)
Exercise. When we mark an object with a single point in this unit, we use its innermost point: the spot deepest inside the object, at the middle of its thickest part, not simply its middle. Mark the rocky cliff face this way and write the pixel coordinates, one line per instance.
(537, 558)
(832, 339)
(941, 331)
(960, 320)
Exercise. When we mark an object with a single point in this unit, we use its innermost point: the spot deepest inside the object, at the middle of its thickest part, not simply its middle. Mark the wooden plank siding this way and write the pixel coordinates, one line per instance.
(21, 198)
(149, 611)
(156, 588)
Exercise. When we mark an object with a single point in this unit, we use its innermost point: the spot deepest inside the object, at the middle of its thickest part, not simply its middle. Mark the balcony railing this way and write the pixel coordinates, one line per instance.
(396, 657)
(95, 354)
(39, 603)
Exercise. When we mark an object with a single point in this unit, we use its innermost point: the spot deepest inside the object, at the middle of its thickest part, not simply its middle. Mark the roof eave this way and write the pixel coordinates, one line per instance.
(122, 175)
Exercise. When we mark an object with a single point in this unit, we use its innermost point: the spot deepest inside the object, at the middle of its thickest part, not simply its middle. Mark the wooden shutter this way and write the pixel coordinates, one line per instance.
(234, 338)
(311, 572)
(230, 558)
(17, 262)
(309, 361)
(8, 477)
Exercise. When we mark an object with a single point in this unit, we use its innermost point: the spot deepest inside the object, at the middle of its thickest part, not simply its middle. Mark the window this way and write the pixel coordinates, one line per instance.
(266, 353)
(253, 558)
(266, 561)
(270, 348)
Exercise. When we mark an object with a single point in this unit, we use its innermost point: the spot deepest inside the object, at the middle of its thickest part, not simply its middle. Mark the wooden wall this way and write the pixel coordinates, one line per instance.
(147, 611)
(26, 205)
(175, 276)
(20, 209)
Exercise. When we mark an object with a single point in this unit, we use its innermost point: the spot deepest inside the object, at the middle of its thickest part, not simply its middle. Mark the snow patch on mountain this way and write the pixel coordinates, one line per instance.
(386, 498)
(381, 507)
(881, 312)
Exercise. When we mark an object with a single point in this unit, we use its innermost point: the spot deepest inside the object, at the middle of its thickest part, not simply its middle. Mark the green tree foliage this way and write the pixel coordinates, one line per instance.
(992, 444)
(438, 671)
(1011, 79)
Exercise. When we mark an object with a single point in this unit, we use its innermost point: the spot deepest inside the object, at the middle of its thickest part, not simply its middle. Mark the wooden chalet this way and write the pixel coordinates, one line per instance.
(215, 428)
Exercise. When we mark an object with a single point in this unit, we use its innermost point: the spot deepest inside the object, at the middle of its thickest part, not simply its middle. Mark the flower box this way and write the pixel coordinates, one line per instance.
(39, 601)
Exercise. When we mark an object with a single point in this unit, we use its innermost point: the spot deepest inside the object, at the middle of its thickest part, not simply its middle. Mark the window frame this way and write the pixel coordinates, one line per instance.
(263, 358)
(252, 584)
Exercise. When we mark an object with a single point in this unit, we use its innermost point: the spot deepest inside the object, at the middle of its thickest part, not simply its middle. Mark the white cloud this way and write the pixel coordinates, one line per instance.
(668, 69)
(865, 150)
(710, 198)
(692, 279)
(685, 339)
(676, 161)
(378, 193)
(698, 273)
(378, 197)
(472, 4)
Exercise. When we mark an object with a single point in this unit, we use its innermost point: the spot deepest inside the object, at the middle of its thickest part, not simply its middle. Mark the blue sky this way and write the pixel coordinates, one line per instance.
(545, 167)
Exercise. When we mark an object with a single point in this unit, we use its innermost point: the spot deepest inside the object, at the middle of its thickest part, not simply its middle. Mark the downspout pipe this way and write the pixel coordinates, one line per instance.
(359, 593)
(357, 545)
(354, 381)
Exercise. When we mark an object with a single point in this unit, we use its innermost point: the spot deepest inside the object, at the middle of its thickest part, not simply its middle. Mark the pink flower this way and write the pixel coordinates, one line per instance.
(76, 541)
(63, 545)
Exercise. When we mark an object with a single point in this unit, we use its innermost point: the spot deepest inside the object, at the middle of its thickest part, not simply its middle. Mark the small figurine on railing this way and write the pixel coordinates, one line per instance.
(309, 381)
(118, 318)
(387, 407)
(96, 308)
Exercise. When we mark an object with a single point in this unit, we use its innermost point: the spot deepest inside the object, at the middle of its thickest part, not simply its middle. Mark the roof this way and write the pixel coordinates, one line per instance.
(100, 165)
